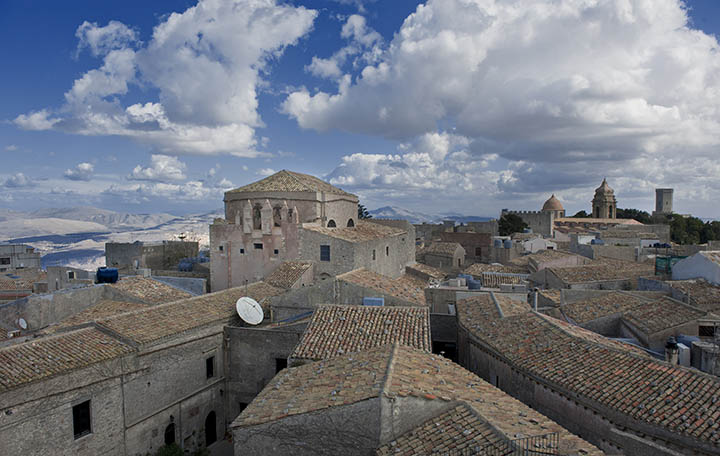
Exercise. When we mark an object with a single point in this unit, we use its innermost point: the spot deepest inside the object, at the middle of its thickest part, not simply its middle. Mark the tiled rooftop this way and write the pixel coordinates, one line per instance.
(336, 330)
(149, 290)
(424, 269)
(510, 306)
(289, 181)
(103, 309)
(702, 294)
(362, 232)
(285, 275)
(406, 287)
(449, 433)
(25, 281)
(441, 248)
(165, 320)
(604, 269)
(477, 269)
(587, 310)
(601, 221)
(627, 234)
(397, 371)
(42, 358)
(661, 314)
(494, 279)
(679, 400)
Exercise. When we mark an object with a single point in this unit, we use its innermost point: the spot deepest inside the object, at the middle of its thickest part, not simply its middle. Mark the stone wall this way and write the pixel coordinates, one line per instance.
(162, 255)
(193, 285)
(476, 245)
(538, 221)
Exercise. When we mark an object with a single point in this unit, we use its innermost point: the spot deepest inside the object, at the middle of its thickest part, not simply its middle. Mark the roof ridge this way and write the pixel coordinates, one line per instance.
(294, 176)
(389, 370)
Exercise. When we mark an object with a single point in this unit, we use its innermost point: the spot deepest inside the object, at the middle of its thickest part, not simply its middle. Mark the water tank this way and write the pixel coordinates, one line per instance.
(474, 284)
(497, 243)
(527, 230)
(597, 242)
(507, 244)
(686, 340)
(107, 275)
(465, 276)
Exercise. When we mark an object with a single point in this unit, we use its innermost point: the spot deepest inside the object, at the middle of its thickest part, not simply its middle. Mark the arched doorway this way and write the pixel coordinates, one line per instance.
(170, 434)
(350, 223)
(331, 224)
(210, 429)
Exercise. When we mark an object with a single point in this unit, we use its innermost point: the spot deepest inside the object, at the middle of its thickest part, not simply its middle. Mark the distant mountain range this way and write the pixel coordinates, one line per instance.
(76, 236)
(394, 212)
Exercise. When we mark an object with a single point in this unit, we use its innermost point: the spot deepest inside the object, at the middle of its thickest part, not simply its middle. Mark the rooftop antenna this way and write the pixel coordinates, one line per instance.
(249, 311)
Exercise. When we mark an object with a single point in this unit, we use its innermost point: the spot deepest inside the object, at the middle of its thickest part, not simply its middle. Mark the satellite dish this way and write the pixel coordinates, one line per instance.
(249, 310)
(22, 323)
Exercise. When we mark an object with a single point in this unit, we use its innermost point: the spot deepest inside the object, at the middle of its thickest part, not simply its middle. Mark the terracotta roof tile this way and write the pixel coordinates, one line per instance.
(42, 358)
(442, 248)
(289, 181)
(405, 287)
(701, 293)
(478, 269)
(603, 269)
(285, 275)
(166, 320)
(638, 387)
(103, 309)
(150, 290)
(398, 371)
(336, 330)
(363, 231)
(424, 269)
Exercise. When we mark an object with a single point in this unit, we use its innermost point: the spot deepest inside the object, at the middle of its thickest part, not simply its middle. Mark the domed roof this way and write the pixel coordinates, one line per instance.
(553, 204)
(604, 188)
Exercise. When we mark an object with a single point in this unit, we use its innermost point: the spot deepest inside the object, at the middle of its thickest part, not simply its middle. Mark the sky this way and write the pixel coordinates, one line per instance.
(462, 106)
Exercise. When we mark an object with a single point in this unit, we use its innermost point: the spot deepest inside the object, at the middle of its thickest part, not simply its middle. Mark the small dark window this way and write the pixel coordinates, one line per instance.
(324, 253)
(242, 251)
(210, 367)
(387, 251)
(276, 251)
(221, 248)
(331, 224)
(478, 251)
(706, 331)
(373, 254)
(280, 364)
(258, 246)
(350, 223)
(71, 275)
(170, 434)
(81, 419)
(242, 406)
(4, 260)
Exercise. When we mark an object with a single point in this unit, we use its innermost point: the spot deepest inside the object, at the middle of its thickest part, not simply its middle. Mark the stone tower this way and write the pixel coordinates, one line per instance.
(663, 201)
(555, 206)
(604, 204)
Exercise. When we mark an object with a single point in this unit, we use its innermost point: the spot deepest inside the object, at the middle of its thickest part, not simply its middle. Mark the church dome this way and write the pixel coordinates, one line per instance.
(553, 204)
(604, 188)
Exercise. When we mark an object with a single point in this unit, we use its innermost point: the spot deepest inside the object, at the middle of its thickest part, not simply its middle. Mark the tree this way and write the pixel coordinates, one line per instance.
(581, 214)
(511, 223)
(363, 213)
(636, 214)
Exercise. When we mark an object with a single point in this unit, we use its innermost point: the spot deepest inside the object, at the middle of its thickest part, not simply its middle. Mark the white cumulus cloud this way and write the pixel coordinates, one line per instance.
(18, 180)
(205, 63)
(162, 168)
(82, 172)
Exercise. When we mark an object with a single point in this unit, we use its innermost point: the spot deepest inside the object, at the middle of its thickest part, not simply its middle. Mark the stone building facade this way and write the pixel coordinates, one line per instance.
(129, 256)
(18, 256)
(291, 216)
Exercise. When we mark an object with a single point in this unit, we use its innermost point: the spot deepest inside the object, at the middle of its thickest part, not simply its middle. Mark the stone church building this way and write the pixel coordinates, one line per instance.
(291, 216)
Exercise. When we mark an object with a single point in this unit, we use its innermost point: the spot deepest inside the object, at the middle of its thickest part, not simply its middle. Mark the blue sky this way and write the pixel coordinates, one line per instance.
(445, 106)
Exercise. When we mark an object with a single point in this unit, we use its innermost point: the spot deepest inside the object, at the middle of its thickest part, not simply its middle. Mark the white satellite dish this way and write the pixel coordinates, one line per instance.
(249, 310)
(22, 323)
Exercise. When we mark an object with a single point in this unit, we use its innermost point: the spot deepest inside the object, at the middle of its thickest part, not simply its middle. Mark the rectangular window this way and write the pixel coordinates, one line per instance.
(478, 251)
(242, 251)
(324, 253)
(221, 248)
(71, 275)
(706, 331)
(387, 251)
(258, 246)
(280, 364)
(81, 419)
(4, 260)
(276, 251)
(373, 254)
(210, 367)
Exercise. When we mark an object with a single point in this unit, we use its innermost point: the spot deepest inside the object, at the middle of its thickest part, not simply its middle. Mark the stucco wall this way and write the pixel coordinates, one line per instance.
(193, 285)
(696, 266)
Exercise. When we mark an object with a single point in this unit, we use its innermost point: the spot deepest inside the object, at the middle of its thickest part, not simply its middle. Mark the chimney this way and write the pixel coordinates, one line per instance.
(671, 351)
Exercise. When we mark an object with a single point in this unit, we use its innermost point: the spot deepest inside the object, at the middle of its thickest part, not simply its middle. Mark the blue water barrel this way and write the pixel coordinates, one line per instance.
(474, 284)
(507, 244)
(527, 230)
(497, 243)
(465, 276)
(597, 242)
(107, 275)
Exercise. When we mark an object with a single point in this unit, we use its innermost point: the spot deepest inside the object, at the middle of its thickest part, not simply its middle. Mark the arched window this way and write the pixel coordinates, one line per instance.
(331, 224)
(210, 429)
(277, 215)
(257, 217)
(350, 223)
(170, 434)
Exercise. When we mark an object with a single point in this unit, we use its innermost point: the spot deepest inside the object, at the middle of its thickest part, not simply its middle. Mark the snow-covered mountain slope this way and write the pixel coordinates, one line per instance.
(398, 213)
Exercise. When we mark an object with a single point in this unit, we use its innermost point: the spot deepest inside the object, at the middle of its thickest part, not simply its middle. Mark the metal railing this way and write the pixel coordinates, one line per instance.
(539, 445)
